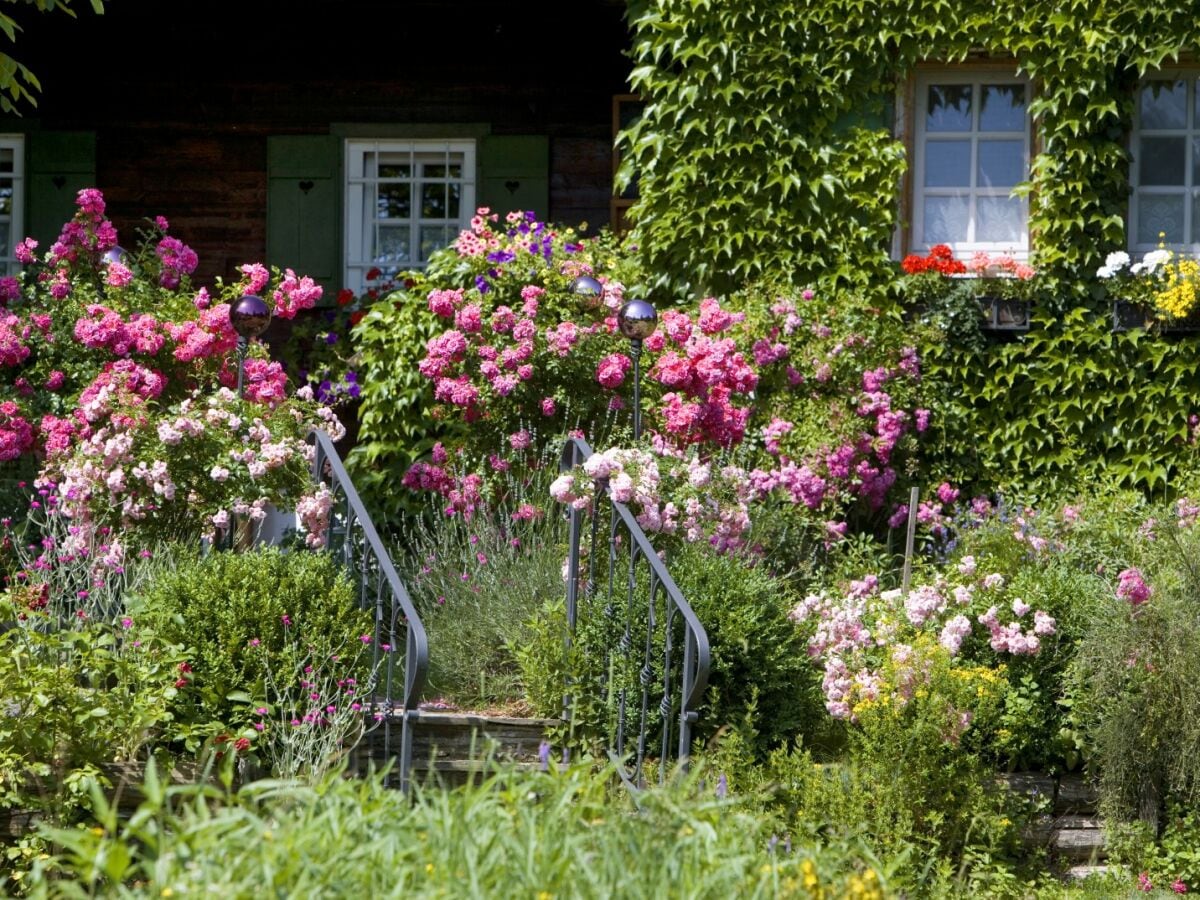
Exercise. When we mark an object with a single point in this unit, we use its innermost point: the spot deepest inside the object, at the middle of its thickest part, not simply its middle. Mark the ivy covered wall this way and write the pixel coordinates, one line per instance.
(766, 143)
(767, 149)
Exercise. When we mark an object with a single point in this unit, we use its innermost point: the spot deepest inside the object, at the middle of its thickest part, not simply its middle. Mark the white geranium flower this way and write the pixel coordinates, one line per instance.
(1155, 258)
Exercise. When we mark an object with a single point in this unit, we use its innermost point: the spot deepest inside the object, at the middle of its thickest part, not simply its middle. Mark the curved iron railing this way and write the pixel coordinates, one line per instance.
(650, 618)
(351, 537)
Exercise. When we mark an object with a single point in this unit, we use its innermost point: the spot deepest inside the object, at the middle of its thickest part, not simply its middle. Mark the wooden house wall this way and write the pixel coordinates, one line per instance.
(182, 95)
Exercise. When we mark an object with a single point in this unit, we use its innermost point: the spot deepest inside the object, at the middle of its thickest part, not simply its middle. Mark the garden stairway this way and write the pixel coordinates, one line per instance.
(1070, 829)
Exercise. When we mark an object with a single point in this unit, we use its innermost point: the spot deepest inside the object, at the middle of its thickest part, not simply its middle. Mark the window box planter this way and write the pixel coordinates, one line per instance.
(1126, 316)
(1004, 315)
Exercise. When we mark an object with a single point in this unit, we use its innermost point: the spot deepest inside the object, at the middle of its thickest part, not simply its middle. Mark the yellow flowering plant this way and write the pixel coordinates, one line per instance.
(1165, 284)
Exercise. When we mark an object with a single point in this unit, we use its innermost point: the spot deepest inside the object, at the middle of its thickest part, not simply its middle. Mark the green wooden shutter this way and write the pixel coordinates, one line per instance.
(59, 165)
(304, 206)
(515, 173)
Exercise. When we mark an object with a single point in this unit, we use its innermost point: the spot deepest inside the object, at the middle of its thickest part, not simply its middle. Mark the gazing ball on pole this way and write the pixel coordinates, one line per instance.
(637, 320)
(587, 289)
(115, 255)
(250, 316)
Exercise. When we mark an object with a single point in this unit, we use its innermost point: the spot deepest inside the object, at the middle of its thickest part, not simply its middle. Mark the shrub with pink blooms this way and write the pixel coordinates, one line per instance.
(819, 398)
(118, 374)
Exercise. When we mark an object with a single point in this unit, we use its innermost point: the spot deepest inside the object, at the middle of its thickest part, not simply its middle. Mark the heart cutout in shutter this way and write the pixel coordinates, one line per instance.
(59, 181)
(306, 186)
(512, 186)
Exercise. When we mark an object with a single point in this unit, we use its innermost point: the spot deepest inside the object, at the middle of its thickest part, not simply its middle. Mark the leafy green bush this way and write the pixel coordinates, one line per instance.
(236, 612)
(759, 660)
(74, 697)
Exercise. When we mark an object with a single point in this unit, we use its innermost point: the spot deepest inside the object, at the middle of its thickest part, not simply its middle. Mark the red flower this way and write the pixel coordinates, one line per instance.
(356, 317)
(241, 745)
(940, 259)
(221, 739)
(181, 683)
(373, 273)
(345, 297)
(185, 667)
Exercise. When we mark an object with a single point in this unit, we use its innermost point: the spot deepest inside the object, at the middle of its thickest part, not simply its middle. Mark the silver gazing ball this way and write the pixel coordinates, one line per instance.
(588, 289)
(115, 255)
(250, 316)
(637, 320)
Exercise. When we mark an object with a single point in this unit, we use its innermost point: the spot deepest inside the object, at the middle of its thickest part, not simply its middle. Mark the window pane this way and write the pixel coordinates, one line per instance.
(390, 169)
(947, 163)
(6, 195)
(1002, 107)
(453, 196)
(1160, 213)
(5, 238)
(1001, 163)
(393, 201)
(1196, 160)
(433, 201)
(1164, 105)
(1000, 220)
(949, 108)
(393, 246)
(434, 237)
(1163, 160)
(439, 170)
(945, 220)
(6, 159)
(1191, 238)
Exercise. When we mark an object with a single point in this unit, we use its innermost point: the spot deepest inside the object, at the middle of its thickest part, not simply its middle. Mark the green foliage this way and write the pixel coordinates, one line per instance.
(217, 605)
(1137, 675)
(759, 659)
(766, 144)
(73, 698)
(744, 162)
(1066, 404)
(17, 83)
(541, 835)
(478, 585)
(394, 427)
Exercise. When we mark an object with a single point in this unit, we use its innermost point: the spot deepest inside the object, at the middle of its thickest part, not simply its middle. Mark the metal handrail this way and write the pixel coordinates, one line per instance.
(693, 669)
(352, 535)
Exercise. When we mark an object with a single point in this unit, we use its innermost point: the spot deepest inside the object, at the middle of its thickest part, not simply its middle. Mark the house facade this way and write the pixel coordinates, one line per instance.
(328, 137)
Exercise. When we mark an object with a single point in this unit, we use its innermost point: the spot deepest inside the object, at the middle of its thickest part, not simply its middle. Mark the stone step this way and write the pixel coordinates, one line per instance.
(1086, 870)
(457, 746)
(464, 736)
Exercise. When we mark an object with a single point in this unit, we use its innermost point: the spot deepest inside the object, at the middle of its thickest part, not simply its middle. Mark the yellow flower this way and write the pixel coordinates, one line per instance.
(428, 868)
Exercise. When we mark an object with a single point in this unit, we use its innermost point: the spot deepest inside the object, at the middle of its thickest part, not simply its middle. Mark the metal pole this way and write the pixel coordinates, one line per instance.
(911, 539)
(635, 350)
(243, 347)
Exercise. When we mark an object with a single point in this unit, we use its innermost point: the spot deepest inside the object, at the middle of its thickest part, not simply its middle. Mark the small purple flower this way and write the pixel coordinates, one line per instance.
(286, 620)
(544, 755)
(481, 284)
(722, 787)
(331, 338)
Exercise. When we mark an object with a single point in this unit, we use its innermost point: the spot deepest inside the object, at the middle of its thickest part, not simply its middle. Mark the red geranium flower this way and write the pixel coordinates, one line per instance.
(345, 297)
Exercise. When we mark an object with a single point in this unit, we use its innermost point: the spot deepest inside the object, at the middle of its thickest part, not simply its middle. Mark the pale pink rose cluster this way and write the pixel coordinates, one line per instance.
(849, 632)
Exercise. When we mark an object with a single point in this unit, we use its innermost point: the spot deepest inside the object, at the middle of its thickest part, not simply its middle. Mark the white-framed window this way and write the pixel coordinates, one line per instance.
(12, 199)
(971, 148)
(404, 200)
(1165, 173)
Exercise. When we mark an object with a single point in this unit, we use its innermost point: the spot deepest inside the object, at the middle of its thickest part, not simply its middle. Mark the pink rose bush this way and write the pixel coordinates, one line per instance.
(118, 375)
(510, 345)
